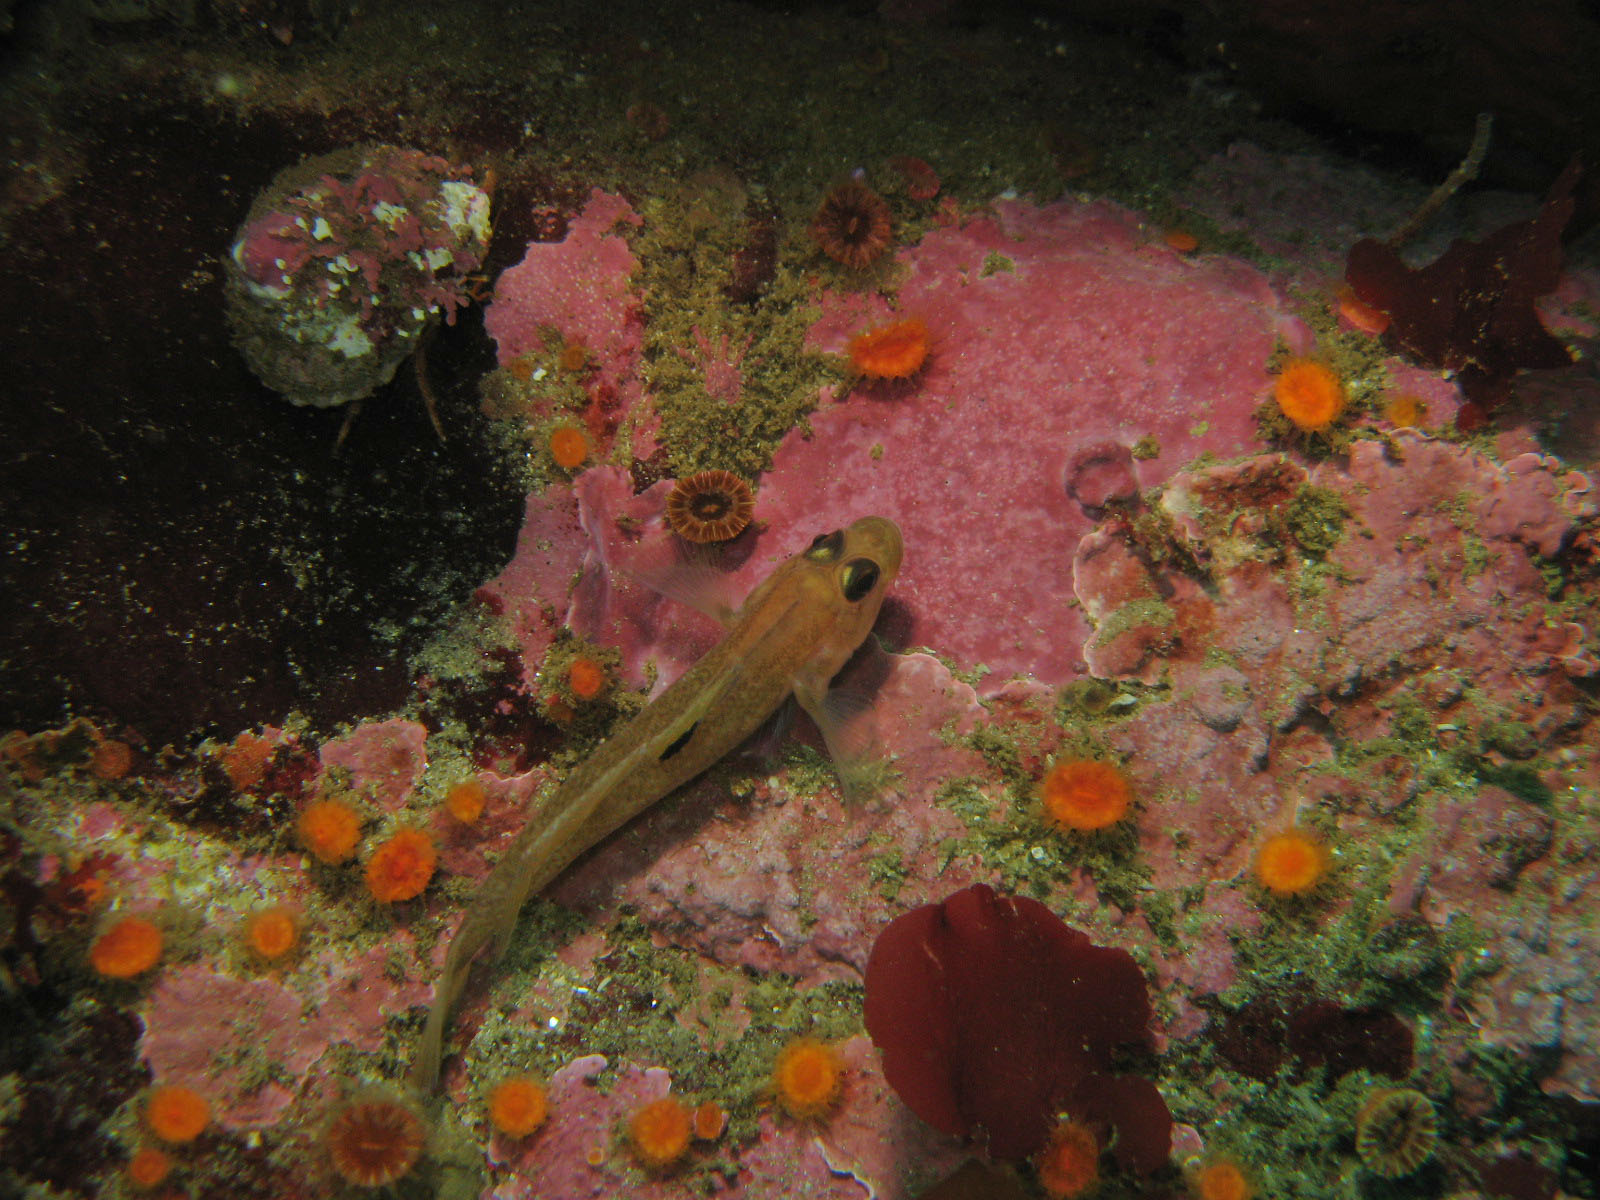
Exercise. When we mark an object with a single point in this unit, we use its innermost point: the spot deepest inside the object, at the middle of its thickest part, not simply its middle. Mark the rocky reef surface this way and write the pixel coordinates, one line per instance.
(1383, 635)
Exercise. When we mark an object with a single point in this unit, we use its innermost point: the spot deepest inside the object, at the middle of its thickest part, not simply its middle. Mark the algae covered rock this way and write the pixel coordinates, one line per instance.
(344, 261)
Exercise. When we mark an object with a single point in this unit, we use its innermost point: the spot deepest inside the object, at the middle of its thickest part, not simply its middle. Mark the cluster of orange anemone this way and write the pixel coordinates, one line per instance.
(374, 1139)
(1069, 1166)
(128, 946)
(399, 868)
(1087, 795)
(174, 1115)
(1312, 397)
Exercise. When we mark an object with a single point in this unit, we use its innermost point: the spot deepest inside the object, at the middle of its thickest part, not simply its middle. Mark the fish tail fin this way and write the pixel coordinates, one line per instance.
(424, 1075)
(469, 938)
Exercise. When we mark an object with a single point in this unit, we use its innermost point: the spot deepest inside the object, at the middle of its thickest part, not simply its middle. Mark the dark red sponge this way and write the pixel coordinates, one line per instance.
(992, 1015)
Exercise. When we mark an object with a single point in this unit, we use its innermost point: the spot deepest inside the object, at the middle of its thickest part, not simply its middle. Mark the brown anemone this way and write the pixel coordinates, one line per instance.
(710, 506)
(852, 226)
(1396, 1129)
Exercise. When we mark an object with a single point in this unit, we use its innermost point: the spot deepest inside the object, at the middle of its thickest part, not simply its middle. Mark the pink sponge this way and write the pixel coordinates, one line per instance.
(1062, 339)
(578, 287)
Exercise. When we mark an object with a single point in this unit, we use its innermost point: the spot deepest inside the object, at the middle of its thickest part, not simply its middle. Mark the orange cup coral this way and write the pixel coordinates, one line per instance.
(1084, 794)
(175, 1113)
(1069, 1164)
(465, 801)
(659, 1132)
(401, 867)
(1291, 863)
(1221, 1179)
(1180, 240)
(111, 760)
(586, 678)
(272, 933)
(569, 447)
(894, 351)
(1361, 315)
(1406, 410)
(149, 1167)
(709, 1121)
(1309, 394)
(518, 1106)
(807, 1077)
(127, 948)
(329, 829)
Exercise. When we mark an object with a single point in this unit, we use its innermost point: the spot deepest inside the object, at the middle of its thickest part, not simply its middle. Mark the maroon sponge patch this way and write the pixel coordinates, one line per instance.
(1472, 310)
(993, 1016)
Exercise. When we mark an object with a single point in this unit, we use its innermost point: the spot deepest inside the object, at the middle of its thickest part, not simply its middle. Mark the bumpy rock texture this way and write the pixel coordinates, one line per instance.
(344, 262)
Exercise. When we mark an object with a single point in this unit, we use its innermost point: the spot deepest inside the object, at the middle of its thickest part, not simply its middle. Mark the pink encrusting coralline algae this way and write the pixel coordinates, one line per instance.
(1058, 330)
(578, 287)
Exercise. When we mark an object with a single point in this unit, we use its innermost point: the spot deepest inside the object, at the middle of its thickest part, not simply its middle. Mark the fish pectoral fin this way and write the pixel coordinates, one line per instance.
(767, 741)
(691, 576)
(844, 716)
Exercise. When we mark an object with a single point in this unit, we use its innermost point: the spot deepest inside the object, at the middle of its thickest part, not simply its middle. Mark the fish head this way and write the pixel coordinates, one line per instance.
(846, 573)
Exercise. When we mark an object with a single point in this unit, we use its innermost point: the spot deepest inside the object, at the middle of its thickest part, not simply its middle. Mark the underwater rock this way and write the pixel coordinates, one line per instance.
(384, 758)
(345, 261)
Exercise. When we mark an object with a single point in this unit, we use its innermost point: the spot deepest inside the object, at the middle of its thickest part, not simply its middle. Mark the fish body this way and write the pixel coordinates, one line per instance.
(790, 637)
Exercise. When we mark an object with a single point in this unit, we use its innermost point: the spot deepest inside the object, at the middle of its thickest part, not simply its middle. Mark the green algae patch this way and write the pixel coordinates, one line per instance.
(529, 399)
(888, 870)
(728, 379)
(590, 719)
(994, 263)
(1362, 956)
(1150, 613)
(1285, 1131)
(716, 1029)
(1315, 518)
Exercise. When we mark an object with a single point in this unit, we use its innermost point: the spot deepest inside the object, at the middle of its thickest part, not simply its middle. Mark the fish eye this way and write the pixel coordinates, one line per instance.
(825, 547)
(859, 578)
